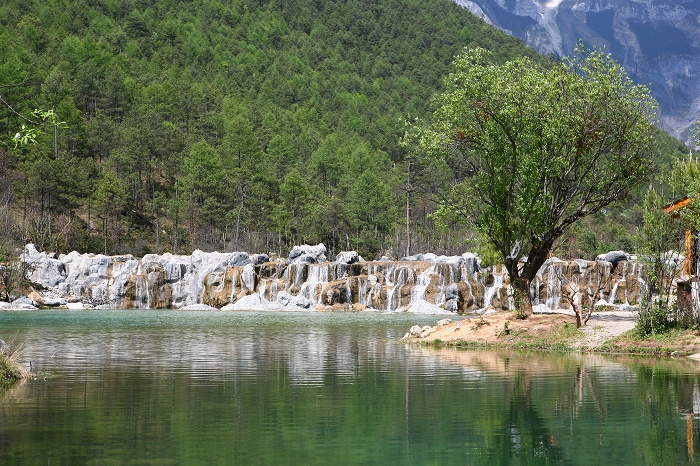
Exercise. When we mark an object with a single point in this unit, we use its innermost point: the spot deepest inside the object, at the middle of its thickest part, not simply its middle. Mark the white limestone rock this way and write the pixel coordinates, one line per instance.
(252, 302)
(307, 254)
(287, 301)
(198, 307)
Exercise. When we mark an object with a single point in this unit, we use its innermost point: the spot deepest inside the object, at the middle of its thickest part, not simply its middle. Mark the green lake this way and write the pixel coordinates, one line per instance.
(172, 387)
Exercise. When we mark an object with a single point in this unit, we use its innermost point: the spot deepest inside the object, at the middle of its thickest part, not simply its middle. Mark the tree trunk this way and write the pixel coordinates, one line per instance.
(521, 295)
(520, 283)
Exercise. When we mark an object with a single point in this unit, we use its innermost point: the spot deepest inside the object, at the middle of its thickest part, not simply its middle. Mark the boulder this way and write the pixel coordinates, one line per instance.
(23, 300)
(307, 254)
(47, 270)
(443, 322)
(258, 259)
(613, 257)
(420, 257)
(347, 257)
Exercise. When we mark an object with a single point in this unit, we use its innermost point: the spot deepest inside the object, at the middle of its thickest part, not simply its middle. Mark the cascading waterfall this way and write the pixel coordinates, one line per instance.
(491, 291)
(454, 283)
(312, 288)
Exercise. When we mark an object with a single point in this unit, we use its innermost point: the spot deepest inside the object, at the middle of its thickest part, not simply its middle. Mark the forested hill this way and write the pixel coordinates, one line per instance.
(224, 125)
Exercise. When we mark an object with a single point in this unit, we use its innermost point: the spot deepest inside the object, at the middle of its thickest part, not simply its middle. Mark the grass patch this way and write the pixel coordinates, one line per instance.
(10, 370)
(565, 332)
(479, 323)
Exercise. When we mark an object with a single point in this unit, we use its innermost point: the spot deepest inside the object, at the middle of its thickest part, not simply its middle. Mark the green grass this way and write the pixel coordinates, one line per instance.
(10, 370)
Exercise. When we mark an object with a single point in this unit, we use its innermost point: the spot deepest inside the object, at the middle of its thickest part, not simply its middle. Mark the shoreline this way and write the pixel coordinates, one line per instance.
(609, 332)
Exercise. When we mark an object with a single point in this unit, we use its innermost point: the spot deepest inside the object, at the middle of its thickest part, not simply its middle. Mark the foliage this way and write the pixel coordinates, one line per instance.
(661, 236)
(28, 134)
(657, 239)
(533, 150)
(271, 87)
(13, 274)
(653, 318)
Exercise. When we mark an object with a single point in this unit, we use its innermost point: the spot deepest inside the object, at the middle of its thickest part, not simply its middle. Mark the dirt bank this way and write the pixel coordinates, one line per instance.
(608, 331)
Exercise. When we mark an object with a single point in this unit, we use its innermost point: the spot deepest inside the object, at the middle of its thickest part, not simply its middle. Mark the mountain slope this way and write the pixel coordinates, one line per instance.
(657, 41)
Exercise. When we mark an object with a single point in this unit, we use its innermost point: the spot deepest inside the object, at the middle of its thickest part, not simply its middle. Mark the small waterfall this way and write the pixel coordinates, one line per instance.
(491, 291)
(312, 288)
(554, 285)
(422, 282)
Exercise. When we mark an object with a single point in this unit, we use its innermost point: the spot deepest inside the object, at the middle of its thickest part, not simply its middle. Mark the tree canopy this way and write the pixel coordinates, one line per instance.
(271, 96)
(532, 149)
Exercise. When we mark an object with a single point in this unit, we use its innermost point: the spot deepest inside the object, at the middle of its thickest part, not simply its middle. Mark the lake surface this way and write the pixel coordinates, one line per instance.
(173, 387)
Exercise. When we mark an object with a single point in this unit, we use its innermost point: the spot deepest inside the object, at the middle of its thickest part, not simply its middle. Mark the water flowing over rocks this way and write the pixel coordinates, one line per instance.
(424, 283)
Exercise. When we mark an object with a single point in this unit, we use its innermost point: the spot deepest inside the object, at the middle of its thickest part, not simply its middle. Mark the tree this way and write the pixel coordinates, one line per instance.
(657, 239)
(534, 150)
(110, 197)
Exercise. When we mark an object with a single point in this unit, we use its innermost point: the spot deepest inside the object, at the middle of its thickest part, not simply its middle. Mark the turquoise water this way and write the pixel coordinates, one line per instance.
(171, 387)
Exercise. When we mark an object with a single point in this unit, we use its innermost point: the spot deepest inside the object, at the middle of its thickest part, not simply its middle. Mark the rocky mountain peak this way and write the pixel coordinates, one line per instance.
(658, 42)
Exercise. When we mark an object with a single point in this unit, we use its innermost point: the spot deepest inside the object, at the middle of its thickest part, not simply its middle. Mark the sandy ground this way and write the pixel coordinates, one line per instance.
(503, 328)
(603, 326)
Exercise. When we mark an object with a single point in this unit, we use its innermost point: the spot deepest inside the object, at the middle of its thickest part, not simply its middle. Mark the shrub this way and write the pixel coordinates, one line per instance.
(653, 318)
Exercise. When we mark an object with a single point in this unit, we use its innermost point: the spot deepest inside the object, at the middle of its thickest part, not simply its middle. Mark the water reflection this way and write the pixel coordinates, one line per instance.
(581, 405)
(319, 388)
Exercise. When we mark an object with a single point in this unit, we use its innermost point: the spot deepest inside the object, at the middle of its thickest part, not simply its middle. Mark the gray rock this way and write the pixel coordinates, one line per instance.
(239, 259)
(347, 257)
(307, 254)
(4, 348)
(23, 300)
(259, 259)
(421, 257)
(53, 302)
(46, 270)
(443, 322)
(452, 291)
(287, 301)
(613, 257)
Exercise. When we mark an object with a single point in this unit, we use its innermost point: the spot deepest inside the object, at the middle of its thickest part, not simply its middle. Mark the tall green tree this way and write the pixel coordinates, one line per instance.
(110, 198)
(533, 150)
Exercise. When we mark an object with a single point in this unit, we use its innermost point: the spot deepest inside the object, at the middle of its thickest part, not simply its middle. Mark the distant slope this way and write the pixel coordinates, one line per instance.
(656, 41)
(210, 124)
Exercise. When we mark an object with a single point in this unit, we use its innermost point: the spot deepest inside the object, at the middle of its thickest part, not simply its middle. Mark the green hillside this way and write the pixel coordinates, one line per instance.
(227, 125)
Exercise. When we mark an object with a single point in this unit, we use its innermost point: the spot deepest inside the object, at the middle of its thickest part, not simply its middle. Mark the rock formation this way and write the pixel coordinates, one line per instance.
(239, 281)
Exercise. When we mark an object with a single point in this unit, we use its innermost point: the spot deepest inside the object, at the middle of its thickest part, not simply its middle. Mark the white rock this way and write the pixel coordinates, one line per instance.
(198, 307)
(52, 302)
(252, 302)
